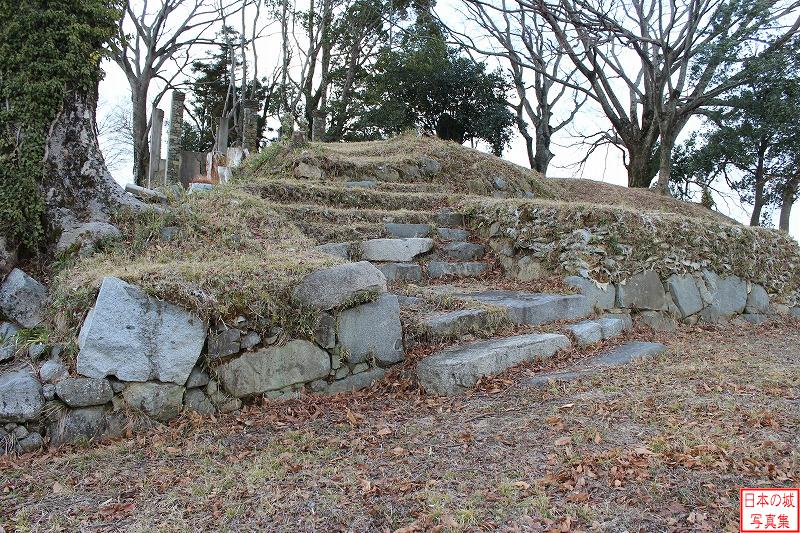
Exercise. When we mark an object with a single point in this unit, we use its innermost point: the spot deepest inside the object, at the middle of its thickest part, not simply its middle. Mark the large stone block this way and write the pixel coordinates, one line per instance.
(442, 269)
(405, 231)
(338, 249)
(20, 396)
(533, 309)
(450, 324)
(586, 333)
(685, 294)
(464, 251)
(757, 300)
(726, 296)
(136, 337)
(400, 250)
(401, 271)
(456, 369)
(274, 368)
(84, 392)
(22, 298)
(601, 295)
(355, 382)
(340, 285)
(642, 291)
(159, 401)
(76, 425)
(373, 330)
(657, 321)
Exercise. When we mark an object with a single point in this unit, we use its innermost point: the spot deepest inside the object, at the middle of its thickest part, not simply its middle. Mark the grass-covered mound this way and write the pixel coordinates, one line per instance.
(613, 242)
(229, 255)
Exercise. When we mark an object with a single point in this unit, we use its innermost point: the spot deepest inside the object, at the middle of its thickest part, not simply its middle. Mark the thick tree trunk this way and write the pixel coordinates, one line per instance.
(788, 198)
(80, 194)
(543, 155)
(665, 162)
(640, 167)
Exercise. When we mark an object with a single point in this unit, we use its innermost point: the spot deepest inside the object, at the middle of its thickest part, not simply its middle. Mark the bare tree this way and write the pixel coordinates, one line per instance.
(534, 61)
(650, 65)
(154, 44)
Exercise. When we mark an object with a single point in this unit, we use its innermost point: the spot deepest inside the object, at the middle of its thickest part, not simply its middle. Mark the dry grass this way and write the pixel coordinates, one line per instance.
(231, 255)
(662, 445)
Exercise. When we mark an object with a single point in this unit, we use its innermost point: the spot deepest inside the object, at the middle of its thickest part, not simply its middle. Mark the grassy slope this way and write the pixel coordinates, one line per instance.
(662, 445)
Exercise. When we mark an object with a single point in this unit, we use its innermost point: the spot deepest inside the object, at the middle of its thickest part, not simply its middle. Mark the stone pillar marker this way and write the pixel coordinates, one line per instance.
(250, 140)
(175, 130)
(154, 170)
(222, 135)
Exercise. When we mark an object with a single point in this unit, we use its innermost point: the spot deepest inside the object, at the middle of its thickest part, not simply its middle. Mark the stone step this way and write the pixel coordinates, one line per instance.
(443, 269)
(401, 271)
(395, 250)
(363, 184)
(590, 332)
(404, 231)
(456, 369)
(619, 356)
(452, 234)
(464, 251)
(534, 309)
(454, 324)
(449, 218)
(349, 215)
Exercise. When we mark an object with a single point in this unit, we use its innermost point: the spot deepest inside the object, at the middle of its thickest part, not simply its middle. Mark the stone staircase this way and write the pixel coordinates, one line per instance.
(445, 277)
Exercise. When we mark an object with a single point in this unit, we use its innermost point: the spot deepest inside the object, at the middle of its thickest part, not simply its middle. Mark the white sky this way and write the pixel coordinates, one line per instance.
(604, 165)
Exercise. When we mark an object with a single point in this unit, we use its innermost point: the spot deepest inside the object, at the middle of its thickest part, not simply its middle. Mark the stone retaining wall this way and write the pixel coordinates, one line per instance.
(141, 361)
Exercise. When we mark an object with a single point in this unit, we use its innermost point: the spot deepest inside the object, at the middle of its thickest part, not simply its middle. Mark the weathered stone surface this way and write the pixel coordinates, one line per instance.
(224, 402)
(619, 356)
(429, 166)
(401, 271)
(30, 443)
(8, 258)
(20, 396)
(726, 296)
(159, 401)
(84, 392)
(37, 351)
(196, 400)
(410, 302)
(251, 340)
(386, 173)
(224, 343)
(7, 331)
(198, 378)
(274, 368)
(642, 291)
(451, 324)
(455, 369)
(754, 318)
(402, 250)
(464, 251)
(305, 170)
(363, 184)
(22, 298)
(601, 295)
(135, 337)
(757, 300)
(76, 425)
(586, 333)
(657, 321)
(627, 321)
(610, 326)
(338, 249)
(794, 311)
(441, 269)
(405, 231)
(356, 381)
(7, 350)
(535, 308)
(449, 218)
(529, 269)
(87, 234)
(685, 294)
(452, 234)
(325, 332)
(339, 285)
(373, 330)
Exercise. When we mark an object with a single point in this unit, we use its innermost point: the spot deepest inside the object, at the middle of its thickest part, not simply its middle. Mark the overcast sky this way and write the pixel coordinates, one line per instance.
(604, 165)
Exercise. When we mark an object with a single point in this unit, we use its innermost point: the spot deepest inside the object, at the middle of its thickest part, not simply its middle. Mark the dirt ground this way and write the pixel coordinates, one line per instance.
(660, 445)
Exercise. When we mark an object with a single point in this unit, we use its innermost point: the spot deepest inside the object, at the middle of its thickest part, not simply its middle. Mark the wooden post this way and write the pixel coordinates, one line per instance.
(154, 165)
(174, 149)
(222, 135)
(250, 140)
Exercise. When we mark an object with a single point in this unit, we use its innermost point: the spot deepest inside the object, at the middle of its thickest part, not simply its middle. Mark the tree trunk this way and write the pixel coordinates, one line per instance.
(543, 154)
(80, 194)
(758, 196)
(788, 197)
(640, 171)
(141, 146)
(665, 162)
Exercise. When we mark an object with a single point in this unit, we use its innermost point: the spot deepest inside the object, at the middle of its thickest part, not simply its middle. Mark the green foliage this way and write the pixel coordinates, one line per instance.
(751, 143)
(424, 83)
(47, 47)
